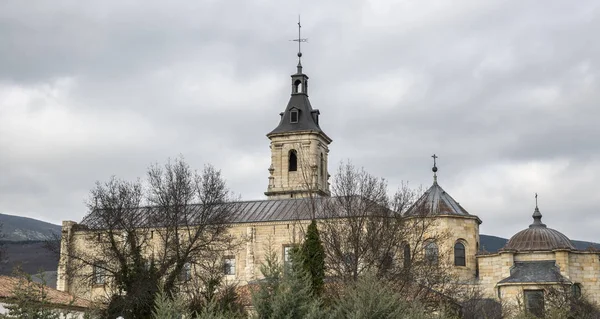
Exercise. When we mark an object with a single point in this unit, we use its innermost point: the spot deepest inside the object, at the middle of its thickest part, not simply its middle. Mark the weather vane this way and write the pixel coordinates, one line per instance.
(434, 169)
(300, 40)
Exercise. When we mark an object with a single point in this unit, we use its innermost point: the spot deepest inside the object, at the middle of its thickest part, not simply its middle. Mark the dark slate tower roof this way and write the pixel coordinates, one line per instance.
(305, 119)
(534, 272)
(538, 237)
(436, 202)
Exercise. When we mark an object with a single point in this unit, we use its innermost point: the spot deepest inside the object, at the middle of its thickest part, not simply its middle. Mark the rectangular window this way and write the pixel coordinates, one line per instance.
(294, 116)
(534, 302)
(99, 274)
(229, 265)
(287, 257)
(186, 272)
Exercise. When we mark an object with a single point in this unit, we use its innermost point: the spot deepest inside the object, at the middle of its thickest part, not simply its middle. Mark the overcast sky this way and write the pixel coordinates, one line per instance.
(505, 92)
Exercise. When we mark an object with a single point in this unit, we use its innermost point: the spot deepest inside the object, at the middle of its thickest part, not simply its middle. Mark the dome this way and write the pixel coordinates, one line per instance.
(538, 237)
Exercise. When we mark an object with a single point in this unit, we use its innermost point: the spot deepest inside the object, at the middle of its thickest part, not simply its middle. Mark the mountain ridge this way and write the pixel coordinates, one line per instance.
(18, 228)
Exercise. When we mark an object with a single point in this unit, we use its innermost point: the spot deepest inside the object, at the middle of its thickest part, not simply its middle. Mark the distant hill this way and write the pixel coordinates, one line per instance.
(492, 243)
(17, 228)
(30, 256)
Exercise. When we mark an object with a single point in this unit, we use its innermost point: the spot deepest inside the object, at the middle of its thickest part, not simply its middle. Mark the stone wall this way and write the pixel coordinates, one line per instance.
(451, 229)
(585, 270)
(580, 267)
(255, 240)
(308, 147)
(492, 269)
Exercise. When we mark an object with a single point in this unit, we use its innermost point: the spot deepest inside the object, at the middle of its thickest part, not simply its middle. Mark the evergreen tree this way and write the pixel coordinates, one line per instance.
(285, 294)
(371, 298)
(169, 308)
(313, 258)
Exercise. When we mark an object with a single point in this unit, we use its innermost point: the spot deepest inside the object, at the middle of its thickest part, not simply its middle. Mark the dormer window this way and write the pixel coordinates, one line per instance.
(294, 116)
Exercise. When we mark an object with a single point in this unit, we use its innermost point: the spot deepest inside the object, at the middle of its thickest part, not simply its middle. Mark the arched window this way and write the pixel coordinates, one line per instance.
(292, 161)
(298, 86)
(321, 167)
(431, 252)
(406, 253)
(459, 254)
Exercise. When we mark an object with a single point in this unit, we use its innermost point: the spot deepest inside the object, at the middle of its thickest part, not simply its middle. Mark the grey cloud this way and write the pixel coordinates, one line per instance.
(485, 85)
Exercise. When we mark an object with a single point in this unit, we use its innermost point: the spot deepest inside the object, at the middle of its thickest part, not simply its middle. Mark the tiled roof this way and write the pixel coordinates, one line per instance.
(435, 201)
(60, 299)
(544, 271)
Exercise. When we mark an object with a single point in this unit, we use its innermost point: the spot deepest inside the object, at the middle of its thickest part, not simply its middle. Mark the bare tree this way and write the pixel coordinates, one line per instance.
(195, 211)
(137, 237)
(359, 230)
(365, 230)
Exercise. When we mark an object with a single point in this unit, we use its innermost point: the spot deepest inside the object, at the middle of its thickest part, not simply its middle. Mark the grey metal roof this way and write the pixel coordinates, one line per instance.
(275, 210)
(247, 211)
(435, 201)
(538, 237)
(543, 271)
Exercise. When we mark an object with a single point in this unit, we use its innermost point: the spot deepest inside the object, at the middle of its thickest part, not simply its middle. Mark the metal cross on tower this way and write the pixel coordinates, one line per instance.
(434, 169)
(300, 40)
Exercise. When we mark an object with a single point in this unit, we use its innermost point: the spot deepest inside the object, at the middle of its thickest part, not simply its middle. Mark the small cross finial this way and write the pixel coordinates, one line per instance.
(299, 40)
(536, 202)
(434, 169)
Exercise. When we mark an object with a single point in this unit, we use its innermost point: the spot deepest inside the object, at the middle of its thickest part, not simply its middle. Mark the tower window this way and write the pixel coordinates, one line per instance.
(294, 116)
(459, 254)
(431, 252)
(292, 161)
(321, 167)
(298, 86)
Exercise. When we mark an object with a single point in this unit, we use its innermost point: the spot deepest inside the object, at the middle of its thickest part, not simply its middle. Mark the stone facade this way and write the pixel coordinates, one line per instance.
(311, 174)
(256, 239)
(577, 267)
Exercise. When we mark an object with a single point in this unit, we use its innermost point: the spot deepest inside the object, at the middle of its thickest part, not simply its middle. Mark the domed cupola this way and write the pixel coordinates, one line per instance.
(538, 237)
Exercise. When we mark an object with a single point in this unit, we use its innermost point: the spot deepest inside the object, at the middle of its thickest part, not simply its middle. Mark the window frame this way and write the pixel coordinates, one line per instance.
(292, 161)
(464, 253)
(229, 269)
(432, 255)
(287, 256)
(186, 272)
(406, 255)
(99, 275)
(527, 294)
(576, 290)
(294, 113)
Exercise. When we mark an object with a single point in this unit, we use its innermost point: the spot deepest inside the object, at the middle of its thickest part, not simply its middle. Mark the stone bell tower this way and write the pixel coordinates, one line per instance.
(299, 148)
